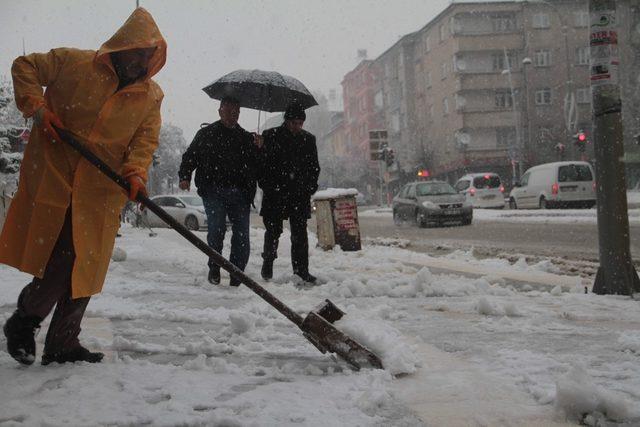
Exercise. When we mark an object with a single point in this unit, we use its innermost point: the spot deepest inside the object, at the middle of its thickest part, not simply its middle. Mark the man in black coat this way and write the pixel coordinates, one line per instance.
(225, 158)
(289, 177)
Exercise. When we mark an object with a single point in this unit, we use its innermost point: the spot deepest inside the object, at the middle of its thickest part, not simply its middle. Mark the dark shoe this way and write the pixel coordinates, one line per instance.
(214, 276)
(20, 332)
(267, 270)
(234, 282)
(307, 277)
(78, 354)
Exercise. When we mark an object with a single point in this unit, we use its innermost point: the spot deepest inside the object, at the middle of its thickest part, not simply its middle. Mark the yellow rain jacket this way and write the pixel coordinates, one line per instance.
(121, 127)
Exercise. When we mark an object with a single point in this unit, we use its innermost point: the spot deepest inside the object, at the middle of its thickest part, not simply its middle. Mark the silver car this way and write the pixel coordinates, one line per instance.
(426, 202)
(186, 209)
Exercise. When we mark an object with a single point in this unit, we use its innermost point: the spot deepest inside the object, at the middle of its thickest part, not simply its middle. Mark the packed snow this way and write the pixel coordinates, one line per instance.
(457, 350)
(334, 193)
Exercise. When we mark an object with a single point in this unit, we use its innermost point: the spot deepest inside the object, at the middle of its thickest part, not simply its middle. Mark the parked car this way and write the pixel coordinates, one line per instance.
(427, 202)
(186, 209)
(558, 184)
(482, 190)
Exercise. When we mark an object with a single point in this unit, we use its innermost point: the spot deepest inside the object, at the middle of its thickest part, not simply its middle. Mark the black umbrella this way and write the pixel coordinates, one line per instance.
(261, 90)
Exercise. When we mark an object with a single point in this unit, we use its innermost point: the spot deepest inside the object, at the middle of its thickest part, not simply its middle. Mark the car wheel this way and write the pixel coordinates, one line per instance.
(191, 222)
(467, 220)
(396, 218)
(420, 222)
(543, 203)
(512, 203)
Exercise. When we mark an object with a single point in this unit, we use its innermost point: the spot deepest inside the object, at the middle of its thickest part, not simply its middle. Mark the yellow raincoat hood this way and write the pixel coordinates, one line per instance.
(139, 31)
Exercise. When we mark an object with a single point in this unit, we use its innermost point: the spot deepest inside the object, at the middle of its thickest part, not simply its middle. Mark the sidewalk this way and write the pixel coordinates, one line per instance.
(461, 341)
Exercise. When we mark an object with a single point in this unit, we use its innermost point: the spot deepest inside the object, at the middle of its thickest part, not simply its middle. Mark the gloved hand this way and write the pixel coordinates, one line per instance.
(46, 119)
(136, 185)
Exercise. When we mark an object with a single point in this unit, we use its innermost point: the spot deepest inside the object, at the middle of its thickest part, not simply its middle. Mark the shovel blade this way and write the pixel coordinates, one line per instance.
(329, 311)
(327, 337)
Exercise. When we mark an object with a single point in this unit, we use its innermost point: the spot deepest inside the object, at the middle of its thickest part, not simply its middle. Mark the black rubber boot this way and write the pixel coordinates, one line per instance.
(267, 269)
(78, 354)
(20, 332)
(307, 277)
(214, 276)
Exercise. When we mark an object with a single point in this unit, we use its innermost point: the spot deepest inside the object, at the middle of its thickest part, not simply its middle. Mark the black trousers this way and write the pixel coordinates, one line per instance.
(299, 241)
(54, 289)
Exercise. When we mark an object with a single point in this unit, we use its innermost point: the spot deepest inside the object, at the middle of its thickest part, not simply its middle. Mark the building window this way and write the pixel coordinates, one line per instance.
(395, 122)
(443, 32)
(543, 96)
(542, 58)
(544, 135)
(583, 55)
(583, 95)
(581, 19)
(503, 22)
(503, 99)
(541, 20)
(427, 44)
(444, 68)
(506, 136)
(378, 100)
(445, 106)
(427, 79)
(500, 62)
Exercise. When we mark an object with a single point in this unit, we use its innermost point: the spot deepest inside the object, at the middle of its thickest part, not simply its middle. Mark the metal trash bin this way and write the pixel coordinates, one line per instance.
(337, 219)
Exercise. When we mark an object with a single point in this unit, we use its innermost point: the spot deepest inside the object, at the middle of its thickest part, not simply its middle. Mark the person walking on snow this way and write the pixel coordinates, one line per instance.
(62, 224)
(225, 158)
(290, 171)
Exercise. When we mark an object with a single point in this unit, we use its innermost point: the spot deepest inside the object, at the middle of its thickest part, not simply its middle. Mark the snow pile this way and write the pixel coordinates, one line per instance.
(630, 341)
(387, 241)
(118, 254)
(580, 399)
(334, 193)
(398, 357)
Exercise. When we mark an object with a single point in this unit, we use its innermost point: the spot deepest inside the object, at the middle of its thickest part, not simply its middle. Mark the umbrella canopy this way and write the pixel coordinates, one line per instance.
(261, 90)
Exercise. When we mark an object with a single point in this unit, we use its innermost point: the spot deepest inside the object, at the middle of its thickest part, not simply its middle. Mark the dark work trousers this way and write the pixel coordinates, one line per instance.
(299, 242)
(39, 296)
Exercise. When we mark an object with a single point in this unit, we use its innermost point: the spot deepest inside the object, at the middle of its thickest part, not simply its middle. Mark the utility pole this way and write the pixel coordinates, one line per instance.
(616, 274)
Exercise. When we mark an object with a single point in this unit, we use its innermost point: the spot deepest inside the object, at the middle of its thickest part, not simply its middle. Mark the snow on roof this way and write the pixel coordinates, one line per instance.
(334, 193)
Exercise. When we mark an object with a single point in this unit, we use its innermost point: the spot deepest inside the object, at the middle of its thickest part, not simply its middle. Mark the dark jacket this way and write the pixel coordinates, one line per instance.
(221, 157)
(289, 173)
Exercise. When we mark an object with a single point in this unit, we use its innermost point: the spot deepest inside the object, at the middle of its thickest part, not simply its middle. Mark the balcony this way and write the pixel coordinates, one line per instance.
(487, 81)
(496, 41)
(484, 119)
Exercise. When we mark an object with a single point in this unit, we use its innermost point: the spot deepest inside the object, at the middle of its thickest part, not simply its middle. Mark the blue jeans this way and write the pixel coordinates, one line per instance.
(218, 204)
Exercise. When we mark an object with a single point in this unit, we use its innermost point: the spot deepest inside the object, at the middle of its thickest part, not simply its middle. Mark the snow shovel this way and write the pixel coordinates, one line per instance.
(317, 326)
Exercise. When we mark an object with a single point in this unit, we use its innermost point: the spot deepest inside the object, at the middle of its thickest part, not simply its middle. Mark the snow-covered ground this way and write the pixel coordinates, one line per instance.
(457, 350)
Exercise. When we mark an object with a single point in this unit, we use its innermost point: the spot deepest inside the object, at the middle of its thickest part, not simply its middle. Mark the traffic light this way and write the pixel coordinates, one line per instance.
(390, 156)
(580, 139)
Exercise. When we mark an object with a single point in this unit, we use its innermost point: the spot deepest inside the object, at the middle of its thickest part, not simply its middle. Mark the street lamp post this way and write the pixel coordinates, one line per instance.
(515, 148)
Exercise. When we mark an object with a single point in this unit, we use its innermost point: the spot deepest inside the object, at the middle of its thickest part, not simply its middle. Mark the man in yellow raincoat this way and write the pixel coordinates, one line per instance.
(62, 223)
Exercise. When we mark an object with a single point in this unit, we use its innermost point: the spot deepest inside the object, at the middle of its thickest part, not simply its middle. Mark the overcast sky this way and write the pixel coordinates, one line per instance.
(314, 41)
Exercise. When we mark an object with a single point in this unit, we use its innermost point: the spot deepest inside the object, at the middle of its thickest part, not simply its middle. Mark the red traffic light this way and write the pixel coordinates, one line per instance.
(582, 137)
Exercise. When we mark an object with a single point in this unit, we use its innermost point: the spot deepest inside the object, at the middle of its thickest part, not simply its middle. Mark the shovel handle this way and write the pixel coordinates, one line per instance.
(187, 234)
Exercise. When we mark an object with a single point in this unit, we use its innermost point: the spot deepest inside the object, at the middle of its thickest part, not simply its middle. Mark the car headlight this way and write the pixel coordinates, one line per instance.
(430, 205)
(201, 211)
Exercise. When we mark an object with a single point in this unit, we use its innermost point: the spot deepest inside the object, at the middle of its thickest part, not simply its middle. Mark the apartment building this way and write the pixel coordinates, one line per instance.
(495, 83)
(360, 116)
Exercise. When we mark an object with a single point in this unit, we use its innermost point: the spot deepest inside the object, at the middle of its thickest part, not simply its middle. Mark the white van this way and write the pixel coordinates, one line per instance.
(559, 184)
(482, 190)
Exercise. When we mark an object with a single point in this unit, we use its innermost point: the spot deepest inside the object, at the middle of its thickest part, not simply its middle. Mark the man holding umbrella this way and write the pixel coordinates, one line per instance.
(289, 177)
(225, 159)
